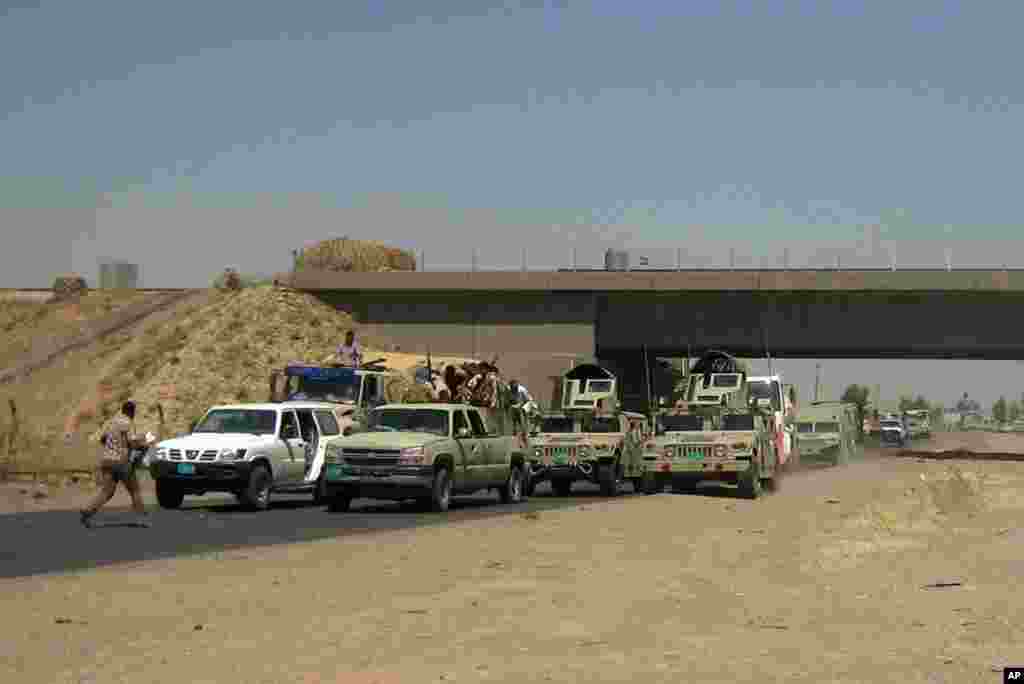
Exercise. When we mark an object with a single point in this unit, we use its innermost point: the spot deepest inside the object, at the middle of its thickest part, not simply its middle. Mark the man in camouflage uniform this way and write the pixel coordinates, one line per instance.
(116, 465)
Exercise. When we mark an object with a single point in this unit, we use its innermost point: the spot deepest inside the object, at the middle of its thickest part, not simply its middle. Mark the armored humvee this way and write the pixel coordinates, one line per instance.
(827, 432)
(590, 439)
(723, 434)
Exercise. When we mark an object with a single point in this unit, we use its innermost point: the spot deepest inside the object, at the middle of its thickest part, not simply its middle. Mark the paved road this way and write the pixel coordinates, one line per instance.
(54, 541)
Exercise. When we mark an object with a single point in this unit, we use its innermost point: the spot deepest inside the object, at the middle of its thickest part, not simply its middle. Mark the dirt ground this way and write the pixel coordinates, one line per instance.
(977, 442)
(824, 581)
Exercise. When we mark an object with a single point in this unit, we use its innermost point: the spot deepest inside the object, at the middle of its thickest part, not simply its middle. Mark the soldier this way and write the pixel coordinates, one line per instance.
(117, 465)
(349, 353)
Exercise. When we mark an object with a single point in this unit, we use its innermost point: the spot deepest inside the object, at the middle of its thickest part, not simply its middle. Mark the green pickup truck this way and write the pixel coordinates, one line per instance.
(426, 452)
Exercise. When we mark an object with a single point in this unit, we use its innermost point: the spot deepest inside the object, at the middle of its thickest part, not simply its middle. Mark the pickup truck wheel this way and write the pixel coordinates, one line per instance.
(561, 486)
(318, 491)
(441, 493)
(608, 477)
(512, 491)
(257, 493)
(339, 503)
(169, 494)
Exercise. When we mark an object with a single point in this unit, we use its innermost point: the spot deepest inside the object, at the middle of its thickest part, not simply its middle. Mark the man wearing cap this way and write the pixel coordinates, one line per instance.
(117, 465)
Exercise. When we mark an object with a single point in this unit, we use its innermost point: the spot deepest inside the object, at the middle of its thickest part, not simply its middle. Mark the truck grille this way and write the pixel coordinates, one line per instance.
(706, 450)
(192, 455)
(549, 453)
(370, 457)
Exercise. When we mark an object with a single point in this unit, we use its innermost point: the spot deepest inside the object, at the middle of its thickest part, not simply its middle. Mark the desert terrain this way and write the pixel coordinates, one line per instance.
(883, 570)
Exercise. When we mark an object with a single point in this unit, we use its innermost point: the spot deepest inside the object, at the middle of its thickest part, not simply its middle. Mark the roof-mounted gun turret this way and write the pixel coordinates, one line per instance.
(589, 387)
(715, 378)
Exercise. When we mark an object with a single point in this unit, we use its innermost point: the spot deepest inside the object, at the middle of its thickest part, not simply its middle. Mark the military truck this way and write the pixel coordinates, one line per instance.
(723, 435)
(427, 452)
(352, 390)
(591, 439)
(826, 431)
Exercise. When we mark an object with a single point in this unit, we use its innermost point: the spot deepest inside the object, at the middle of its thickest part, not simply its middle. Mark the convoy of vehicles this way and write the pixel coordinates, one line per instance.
(591, 439)
(426, 452)
(725, 434)
(827, 431)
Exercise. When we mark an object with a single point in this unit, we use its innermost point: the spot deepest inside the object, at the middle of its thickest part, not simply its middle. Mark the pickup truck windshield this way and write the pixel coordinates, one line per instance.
(432, 421)
(556, 424)
(248, 421)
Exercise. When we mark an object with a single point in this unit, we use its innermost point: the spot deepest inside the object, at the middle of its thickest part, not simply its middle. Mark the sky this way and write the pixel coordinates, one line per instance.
(190, 136)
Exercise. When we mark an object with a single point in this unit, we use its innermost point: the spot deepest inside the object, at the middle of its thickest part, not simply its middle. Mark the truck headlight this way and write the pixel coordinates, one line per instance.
(232, 454)
(159, 454)
(538, 452)
(411, 456)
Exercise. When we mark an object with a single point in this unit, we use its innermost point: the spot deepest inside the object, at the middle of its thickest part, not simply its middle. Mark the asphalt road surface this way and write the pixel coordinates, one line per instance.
(55, 541)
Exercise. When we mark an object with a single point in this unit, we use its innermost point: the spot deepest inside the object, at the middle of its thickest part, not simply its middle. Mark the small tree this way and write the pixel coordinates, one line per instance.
(1013, 410)
(858, 396)
(999, 410)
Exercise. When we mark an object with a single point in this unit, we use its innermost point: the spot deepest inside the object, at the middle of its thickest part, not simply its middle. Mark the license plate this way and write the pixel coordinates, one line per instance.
(695, 455)
(334, 472)
(186, 469)
(560, 455)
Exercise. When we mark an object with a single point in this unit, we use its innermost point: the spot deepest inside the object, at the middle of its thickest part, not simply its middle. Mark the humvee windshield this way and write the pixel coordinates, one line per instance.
(742, 421)
(597, 424)
(680, 424)
(556, 424)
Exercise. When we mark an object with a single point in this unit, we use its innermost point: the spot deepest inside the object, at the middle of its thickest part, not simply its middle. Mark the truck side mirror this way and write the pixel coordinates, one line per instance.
(463, 433)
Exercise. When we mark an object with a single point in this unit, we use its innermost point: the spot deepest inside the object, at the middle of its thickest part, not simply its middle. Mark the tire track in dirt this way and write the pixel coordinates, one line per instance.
(96, 330)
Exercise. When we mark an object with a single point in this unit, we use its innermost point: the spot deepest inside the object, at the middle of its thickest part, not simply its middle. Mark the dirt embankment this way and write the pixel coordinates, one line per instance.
(884, 570)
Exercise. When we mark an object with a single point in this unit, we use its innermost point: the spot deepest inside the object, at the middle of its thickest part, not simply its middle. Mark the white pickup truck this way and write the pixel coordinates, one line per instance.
(249, 450)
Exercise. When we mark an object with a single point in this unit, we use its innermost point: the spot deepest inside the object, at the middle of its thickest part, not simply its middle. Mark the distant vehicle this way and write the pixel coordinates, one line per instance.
(771, 387)
(893, 432)
(249, 450)
(828, 431)
(918, 423)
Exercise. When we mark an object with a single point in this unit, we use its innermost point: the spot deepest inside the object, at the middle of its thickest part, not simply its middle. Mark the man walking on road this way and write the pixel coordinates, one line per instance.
(117, 465)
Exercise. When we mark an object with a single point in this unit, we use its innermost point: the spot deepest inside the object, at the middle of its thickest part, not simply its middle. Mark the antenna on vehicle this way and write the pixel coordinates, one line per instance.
(647, 374)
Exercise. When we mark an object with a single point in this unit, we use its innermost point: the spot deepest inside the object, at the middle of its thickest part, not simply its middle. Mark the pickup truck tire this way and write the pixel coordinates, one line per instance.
(608, 477)
(561, 486)
(512, 491)
(256, 494)
(441, 492)
(339, 503)
(169, 494)
(318, 490)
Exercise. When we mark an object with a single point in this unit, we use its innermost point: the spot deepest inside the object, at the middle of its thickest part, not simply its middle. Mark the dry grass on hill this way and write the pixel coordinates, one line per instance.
(23, 324)
(223, 353)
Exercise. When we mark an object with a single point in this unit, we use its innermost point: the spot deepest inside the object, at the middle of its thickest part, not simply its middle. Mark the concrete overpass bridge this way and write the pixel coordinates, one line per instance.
(534, 319)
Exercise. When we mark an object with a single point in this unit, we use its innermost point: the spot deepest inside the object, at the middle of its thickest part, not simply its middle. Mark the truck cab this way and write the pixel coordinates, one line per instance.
(352, 391)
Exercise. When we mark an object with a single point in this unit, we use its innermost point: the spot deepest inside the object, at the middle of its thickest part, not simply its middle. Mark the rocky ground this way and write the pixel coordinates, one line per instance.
(883, 570)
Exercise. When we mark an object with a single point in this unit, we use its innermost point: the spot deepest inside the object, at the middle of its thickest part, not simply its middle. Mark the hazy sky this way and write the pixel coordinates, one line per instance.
(189, 136)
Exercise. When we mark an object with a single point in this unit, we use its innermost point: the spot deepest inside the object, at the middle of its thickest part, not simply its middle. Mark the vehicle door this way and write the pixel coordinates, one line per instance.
(310, 434)
(469, 452)
(493, 470)
(330, 431)
(291, 449)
